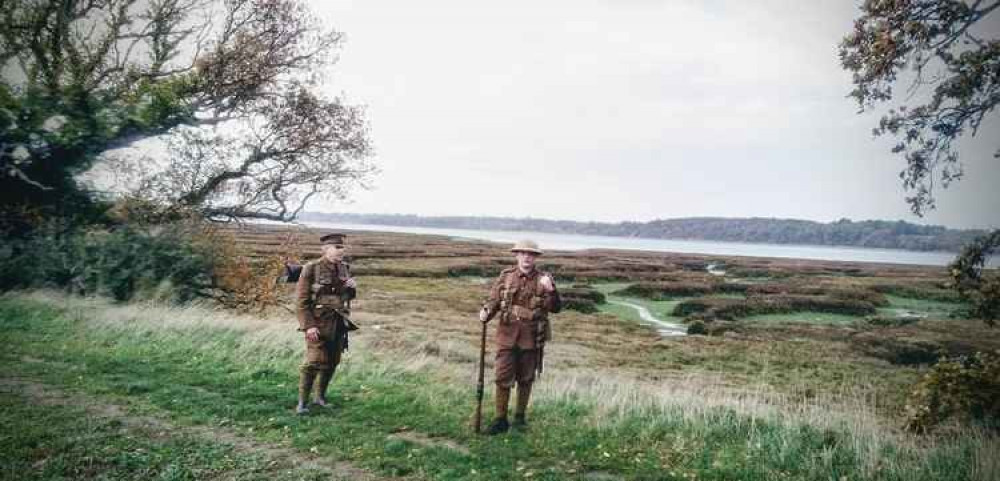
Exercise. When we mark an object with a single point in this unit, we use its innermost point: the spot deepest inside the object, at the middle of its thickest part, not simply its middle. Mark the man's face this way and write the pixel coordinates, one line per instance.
(526, 260)
(334, 252)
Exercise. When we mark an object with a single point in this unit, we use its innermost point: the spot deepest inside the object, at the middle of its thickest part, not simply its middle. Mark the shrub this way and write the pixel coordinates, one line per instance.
(840, 293)
(243, 279)
(118, 263)
(888, 321)
(580, 305)
(666, 290)
(831, 304)
(697, 327)
(919, 291)
(709, 307)
(722, 308)
(965, 387)
(581, 299)
(178, 261)
(859, 294)
(586, 293)
(478, 269)
(732, 288)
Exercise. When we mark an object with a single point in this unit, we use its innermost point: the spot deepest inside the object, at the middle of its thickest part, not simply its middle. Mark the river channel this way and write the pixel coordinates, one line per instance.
(666, 329)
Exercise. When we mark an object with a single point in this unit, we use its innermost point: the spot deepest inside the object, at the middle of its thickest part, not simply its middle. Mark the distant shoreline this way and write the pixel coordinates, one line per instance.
(572, 242)
(869, 234)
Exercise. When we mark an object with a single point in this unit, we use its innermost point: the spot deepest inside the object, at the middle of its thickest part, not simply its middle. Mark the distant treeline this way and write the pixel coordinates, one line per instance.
(844, 232)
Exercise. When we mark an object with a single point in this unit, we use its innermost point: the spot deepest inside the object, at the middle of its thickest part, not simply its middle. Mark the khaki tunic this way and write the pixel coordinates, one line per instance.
(321, 302)
(523, 327)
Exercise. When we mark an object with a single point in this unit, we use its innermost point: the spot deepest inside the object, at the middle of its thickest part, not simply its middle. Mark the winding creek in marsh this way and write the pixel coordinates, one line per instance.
(664, 328)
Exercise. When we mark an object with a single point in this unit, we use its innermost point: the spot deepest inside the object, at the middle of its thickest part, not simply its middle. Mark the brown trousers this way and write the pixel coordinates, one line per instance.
(322, 355)
(515, 364)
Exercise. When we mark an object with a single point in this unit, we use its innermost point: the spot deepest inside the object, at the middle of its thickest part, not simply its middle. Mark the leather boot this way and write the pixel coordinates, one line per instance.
(306, 379)
(324, 382)
(500, 424)
(523, 396)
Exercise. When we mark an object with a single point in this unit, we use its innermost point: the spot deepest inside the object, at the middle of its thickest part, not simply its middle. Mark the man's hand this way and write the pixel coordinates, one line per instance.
(484, 316)
(312, 334)
(351, 283)
(547, 284)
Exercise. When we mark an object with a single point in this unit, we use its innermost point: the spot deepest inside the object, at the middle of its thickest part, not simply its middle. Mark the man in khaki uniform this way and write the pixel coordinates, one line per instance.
(523, 297)
(323, 293)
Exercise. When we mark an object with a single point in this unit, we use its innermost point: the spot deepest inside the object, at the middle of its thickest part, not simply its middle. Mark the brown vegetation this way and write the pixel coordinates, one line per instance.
(421, 292)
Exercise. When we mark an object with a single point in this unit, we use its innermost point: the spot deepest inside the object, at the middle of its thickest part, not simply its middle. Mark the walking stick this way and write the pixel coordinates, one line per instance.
(479, 383)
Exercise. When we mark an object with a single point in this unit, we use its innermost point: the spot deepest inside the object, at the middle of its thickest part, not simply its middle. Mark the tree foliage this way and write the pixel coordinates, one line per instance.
(979, 286)
(952, 65)
(233, 84)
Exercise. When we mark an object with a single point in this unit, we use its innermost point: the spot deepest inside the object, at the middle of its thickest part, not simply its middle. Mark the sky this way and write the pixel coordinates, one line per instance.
(624, 110)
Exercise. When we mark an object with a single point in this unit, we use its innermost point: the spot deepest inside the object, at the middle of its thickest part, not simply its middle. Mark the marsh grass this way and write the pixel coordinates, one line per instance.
(805, 317)
(206, 367)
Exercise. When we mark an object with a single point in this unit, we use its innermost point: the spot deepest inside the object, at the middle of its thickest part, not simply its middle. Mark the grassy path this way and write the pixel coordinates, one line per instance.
(77, 435)
(234, 384)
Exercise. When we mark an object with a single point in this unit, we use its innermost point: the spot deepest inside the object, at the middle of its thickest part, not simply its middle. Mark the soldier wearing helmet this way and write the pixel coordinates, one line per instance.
(522, 298)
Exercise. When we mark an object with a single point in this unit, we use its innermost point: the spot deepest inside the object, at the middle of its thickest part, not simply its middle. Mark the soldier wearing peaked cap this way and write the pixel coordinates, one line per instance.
(324, 291)
(522, 297)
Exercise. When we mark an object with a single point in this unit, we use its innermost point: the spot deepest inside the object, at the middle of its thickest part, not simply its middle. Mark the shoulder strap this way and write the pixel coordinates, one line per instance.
(508, 280)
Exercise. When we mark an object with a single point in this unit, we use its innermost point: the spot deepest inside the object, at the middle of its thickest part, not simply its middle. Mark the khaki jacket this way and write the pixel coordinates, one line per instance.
(320, 293)
(523, 309)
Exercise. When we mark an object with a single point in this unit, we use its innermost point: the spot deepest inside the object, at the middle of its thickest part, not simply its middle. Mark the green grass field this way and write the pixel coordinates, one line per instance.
(396, 414)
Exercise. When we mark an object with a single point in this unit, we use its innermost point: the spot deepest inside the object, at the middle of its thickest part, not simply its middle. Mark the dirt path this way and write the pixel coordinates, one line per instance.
(47, 395)
(429, 442)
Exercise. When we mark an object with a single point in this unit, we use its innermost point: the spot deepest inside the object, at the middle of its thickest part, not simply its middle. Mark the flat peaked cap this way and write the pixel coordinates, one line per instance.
(526, 246)
(333, 239)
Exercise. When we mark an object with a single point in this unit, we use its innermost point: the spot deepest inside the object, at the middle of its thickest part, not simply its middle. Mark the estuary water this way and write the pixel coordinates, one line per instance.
(581, 242)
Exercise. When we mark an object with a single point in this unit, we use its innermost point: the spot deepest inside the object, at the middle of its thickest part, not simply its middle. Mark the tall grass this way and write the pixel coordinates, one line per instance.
(642, 429)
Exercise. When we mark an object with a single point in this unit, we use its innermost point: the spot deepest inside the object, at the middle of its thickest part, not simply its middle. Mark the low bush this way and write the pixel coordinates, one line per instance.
(586, 293)
(842, 293)
(120, 263)
(580, 305)
(800, 303)
(732, 288)
(473, 269)
(919, 291)
(963, 387)
(759, 272)
(708, 307)
(887, 321)
(697, 327)
(175, 262)
(723, 308)
(581, 299)
(667, 290)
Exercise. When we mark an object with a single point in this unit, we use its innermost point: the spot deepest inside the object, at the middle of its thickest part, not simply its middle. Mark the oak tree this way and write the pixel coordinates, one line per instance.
(233, 84)
(947, 53)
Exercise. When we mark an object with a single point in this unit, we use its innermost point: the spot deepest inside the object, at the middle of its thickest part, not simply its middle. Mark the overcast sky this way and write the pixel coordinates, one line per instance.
(624, 110)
